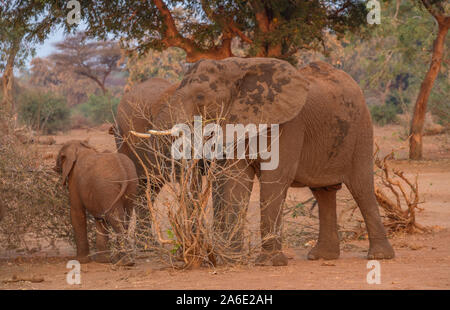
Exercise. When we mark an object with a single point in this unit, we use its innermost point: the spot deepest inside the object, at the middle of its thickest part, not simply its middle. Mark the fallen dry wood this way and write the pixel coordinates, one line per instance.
(32, 279)
(405, 193)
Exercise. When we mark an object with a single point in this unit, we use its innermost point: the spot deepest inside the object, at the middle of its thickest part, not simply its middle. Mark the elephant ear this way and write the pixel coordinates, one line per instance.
(269, 91)
(68, 161)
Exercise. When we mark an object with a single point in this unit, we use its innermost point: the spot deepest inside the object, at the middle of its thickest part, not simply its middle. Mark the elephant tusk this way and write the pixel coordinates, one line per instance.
(152, 132)
(140, 135)
(160, 132)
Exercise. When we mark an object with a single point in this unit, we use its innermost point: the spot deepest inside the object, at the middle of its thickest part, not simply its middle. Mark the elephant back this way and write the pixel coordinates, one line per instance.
(135, 108)
(136, 112)
(324, 75)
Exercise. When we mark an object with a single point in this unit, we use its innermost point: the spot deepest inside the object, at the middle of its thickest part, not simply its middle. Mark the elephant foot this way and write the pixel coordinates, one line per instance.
(266, 259)
(324, 252)
(83, 259)
(102, 258)
(380, 249)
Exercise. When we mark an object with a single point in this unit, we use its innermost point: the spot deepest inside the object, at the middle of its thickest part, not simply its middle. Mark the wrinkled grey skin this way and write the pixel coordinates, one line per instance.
(326, 140)
(136, 111)
(102, 184)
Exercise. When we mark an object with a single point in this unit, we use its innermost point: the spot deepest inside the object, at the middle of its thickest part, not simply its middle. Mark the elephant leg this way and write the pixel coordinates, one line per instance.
(102, 255)
(231, 195)
(364, 195)
(327, 246)
(274, 185)
(116, 218)
(361, 185)
(272, 196)
(78, 218)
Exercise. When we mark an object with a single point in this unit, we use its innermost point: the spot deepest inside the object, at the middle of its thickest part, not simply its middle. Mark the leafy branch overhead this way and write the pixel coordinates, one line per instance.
(202, 28)
(205, 29)
(22, 25)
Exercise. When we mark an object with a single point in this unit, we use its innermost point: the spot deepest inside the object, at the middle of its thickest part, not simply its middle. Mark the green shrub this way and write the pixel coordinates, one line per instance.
(384, 114)
(43, 111)
(395, 101)
(100, 108)
(439, 105)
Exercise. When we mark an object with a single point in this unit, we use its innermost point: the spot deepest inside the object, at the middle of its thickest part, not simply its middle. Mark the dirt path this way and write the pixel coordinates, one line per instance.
(422, 261)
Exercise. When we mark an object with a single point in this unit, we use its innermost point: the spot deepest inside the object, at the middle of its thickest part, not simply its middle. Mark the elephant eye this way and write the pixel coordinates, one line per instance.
(200, 97)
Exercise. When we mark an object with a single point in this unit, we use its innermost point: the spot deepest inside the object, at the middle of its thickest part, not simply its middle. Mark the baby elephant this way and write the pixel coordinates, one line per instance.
(103, 184)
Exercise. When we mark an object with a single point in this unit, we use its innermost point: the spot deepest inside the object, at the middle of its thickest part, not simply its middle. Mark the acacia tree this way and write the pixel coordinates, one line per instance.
(93, 60)
(22, 25)
(441, 14)
(46, 75)
(43, 73)
(206, 28)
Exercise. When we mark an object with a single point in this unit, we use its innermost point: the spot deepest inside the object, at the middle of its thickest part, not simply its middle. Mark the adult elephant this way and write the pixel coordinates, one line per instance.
(136, 112)
(326, 139)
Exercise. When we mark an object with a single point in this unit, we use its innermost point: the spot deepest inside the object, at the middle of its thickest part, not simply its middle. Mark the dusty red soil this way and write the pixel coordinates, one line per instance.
(422, 260)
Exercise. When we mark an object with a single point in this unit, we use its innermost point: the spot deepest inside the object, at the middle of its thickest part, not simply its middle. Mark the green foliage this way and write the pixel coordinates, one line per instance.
(384, 114)
(23, 24)
(172, 237)
(400, 45)
(203, 25)
(391, 63)
(43, 111)
(439, 104)
(100, 108)
(398, 101)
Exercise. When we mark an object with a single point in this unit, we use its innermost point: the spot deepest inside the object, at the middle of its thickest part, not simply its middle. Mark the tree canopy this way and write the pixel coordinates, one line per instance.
(22, 25)
(206, 28)
(92, 59)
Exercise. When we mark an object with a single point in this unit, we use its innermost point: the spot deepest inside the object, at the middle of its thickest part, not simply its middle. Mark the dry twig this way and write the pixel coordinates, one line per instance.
(405, 193)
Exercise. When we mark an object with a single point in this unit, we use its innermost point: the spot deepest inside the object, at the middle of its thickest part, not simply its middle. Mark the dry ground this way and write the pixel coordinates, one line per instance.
(422, 261)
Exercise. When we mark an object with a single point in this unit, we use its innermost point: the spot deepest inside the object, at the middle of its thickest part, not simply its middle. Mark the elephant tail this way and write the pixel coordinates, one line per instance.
(123, 186)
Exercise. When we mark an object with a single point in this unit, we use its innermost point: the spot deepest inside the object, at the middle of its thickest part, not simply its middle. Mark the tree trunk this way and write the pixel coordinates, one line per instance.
(385, 93)
(8, 83)
(224, 51)
(171, 37)
(103, 88)
(266, 26)
(100, 84)
(417, 123)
